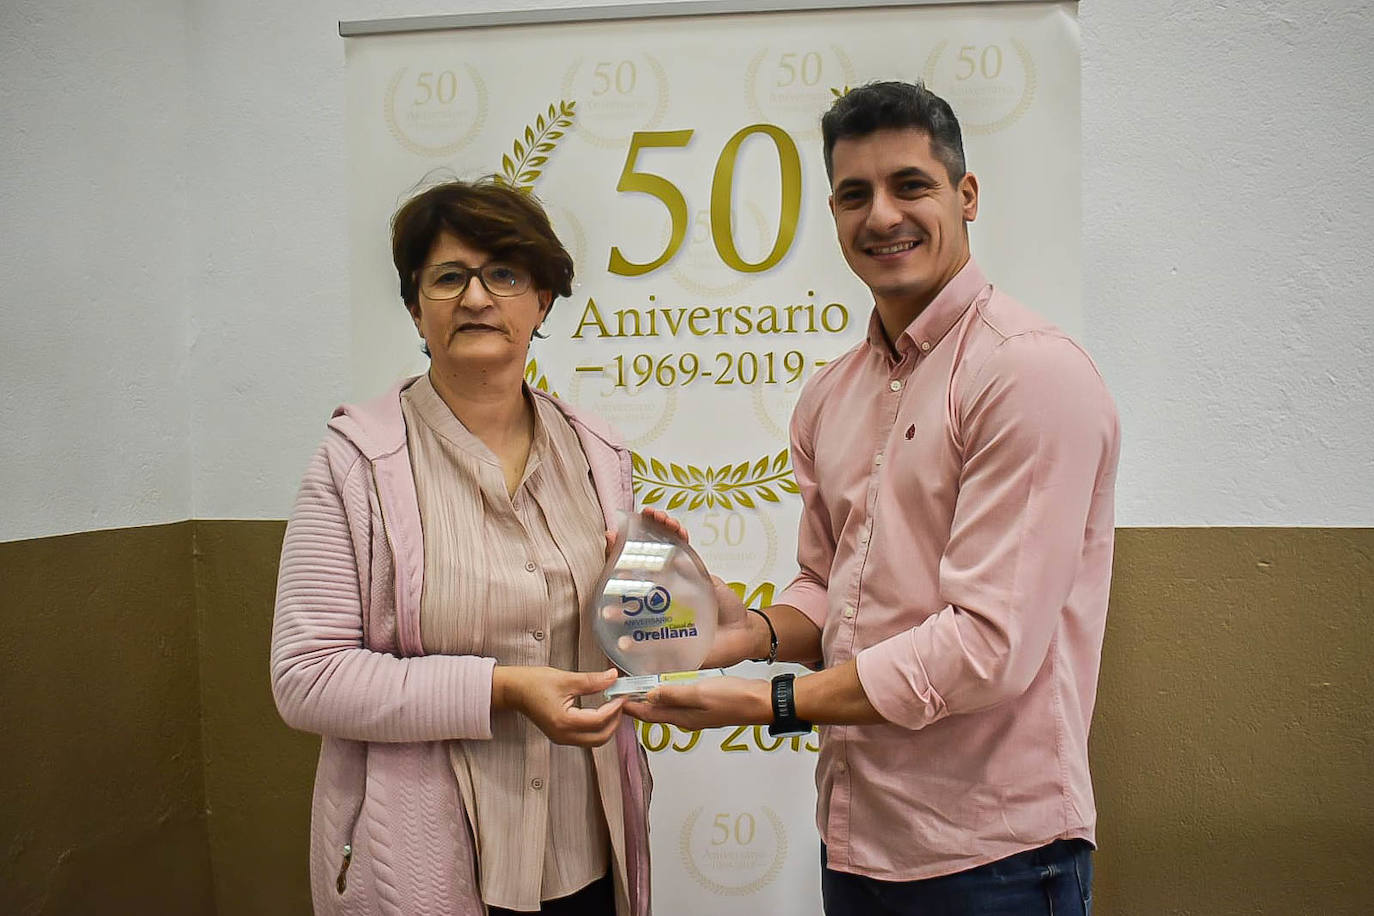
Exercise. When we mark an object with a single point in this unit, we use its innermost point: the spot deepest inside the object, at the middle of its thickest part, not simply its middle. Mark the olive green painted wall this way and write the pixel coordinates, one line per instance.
(258, 772)
(102, 799)
(1232, 746)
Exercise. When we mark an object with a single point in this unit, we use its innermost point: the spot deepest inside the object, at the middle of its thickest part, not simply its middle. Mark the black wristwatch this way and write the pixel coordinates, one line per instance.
(785, 722)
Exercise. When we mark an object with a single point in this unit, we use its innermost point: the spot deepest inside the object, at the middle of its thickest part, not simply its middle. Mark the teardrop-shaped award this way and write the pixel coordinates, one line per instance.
(653, 610)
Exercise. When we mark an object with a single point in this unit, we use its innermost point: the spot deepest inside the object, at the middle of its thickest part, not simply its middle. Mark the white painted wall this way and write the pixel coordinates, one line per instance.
(1225, 203)
(94, 298)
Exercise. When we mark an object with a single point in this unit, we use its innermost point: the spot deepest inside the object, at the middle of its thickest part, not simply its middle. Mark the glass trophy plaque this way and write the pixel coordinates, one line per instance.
(653, 609)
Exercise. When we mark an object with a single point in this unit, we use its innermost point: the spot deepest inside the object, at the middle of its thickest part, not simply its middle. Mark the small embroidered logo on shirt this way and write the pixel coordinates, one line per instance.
(911, 431)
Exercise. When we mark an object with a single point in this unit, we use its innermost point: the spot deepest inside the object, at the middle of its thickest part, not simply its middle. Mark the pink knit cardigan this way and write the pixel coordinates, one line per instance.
(388, 830)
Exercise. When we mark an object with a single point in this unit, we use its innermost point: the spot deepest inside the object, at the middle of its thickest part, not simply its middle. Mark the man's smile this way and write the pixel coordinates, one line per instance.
(889, 249)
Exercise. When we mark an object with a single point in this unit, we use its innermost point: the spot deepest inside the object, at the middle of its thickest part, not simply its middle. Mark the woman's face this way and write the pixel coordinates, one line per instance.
(476, 329)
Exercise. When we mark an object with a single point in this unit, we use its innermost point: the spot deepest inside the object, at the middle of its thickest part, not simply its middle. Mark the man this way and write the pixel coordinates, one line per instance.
(956, 471)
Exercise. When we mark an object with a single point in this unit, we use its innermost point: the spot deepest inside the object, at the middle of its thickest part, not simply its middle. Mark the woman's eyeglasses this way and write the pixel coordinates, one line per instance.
(448, 281)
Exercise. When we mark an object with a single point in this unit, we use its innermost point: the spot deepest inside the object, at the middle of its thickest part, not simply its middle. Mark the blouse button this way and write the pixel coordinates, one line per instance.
(895, 385)
(849, 613)
(925, 346)
(538, 634)
(530, 567)
(536, 783)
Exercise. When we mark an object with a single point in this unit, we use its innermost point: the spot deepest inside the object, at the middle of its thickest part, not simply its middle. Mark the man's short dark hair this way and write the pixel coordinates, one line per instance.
(894, 105)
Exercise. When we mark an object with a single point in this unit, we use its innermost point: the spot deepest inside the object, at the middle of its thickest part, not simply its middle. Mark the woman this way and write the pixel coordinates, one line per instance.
(427, 619)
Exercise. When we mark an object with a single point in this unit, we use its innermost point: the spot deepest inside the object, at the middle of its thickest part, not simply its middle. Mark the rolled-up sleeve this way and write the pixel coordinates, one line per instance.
(1038, 430)
(815, 537)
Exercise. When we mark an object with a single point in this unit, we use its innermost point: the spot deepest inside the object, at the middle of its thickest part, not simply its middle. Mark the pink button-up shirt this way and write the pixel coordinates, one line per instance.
(956, 539)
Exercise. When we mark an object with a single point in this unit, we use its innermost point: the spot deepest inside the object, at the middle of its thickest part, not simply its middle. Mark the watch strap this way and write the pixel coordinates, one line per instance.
(786, 722)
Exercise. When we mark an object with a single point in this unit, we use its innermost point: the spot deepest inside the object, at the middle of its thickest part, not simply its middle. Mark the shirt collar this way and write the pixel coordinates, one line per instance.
(938, 317)
(435, 414)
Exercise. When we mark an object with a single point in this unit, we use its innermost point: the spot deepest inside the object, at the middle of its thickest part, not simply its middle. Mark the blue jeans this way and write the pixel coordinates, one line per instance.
(1054, 880)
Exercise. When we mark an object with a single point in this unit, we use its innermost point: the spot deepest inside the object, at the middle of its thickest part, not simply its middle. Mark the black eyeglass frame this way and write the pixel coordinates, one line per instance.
(524, 279)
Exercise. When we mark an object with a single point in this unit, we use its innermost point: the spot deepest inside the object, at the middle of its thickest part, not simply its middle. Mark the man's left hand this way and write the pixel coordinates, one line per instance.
(708, 703)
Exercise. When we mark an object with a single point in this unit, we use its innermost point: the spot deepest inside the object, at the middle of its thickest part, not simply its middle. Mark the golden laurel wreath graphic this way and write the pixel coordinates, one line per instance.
(723, 486)
(751, 77)
(715, 887)
(444, 149)
(540, 139)
(655, 119)
(537, 380)
(1027, 92)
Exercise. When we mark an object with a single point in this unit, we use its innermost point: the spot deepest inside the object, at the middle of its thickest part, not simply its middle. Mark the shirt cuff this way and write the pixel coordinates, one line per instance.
(895, 682)
(472, 697)
(808, 597)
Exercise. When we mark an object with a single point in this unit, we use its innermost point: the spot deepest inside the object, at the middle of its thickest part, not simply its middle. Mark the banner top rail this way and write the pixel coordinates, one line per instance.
(361, 27)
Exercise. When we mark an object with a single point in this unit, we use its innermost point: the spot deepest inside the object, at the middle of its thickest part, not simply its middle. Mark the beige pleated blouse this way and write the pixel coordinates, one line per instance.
(504, 578)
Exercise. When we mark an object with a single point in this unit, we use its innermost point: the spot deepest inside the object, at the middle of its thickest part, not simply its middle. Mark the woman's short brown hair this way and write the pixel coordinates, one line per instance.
(507, 224)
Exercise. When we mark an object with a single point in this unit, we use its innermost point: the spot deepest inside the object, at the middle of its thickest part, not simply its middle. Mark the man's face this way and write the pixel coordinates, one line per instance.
(900, 219)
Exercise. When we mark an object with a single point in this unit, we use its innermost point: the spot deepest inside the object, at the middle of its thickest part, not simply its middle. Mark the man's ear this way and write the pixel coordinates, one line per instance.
(968, 196)
(545, 304)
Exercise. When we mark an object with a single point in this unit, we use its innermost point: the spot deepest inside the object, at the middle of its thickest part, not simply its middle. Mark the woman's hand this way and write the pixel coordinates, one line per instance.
(548, 698)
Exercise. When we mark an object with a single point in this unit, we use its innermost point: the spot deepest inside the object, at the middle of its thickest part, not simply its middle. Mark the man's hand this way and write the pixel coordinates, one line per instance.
(548, 698)
(740, 635)
(666, 520)
(707, 703)
(658, 515)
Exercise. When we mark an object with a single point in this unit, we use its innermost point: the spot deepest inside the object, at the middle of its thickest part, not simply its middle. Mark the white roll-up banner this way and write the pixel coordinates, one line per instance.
(680, 160)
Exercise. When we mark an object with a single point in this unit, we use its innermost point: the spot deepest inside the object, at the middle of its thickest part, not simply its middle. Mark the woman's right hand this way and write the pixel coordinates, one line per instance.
(548, 697)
